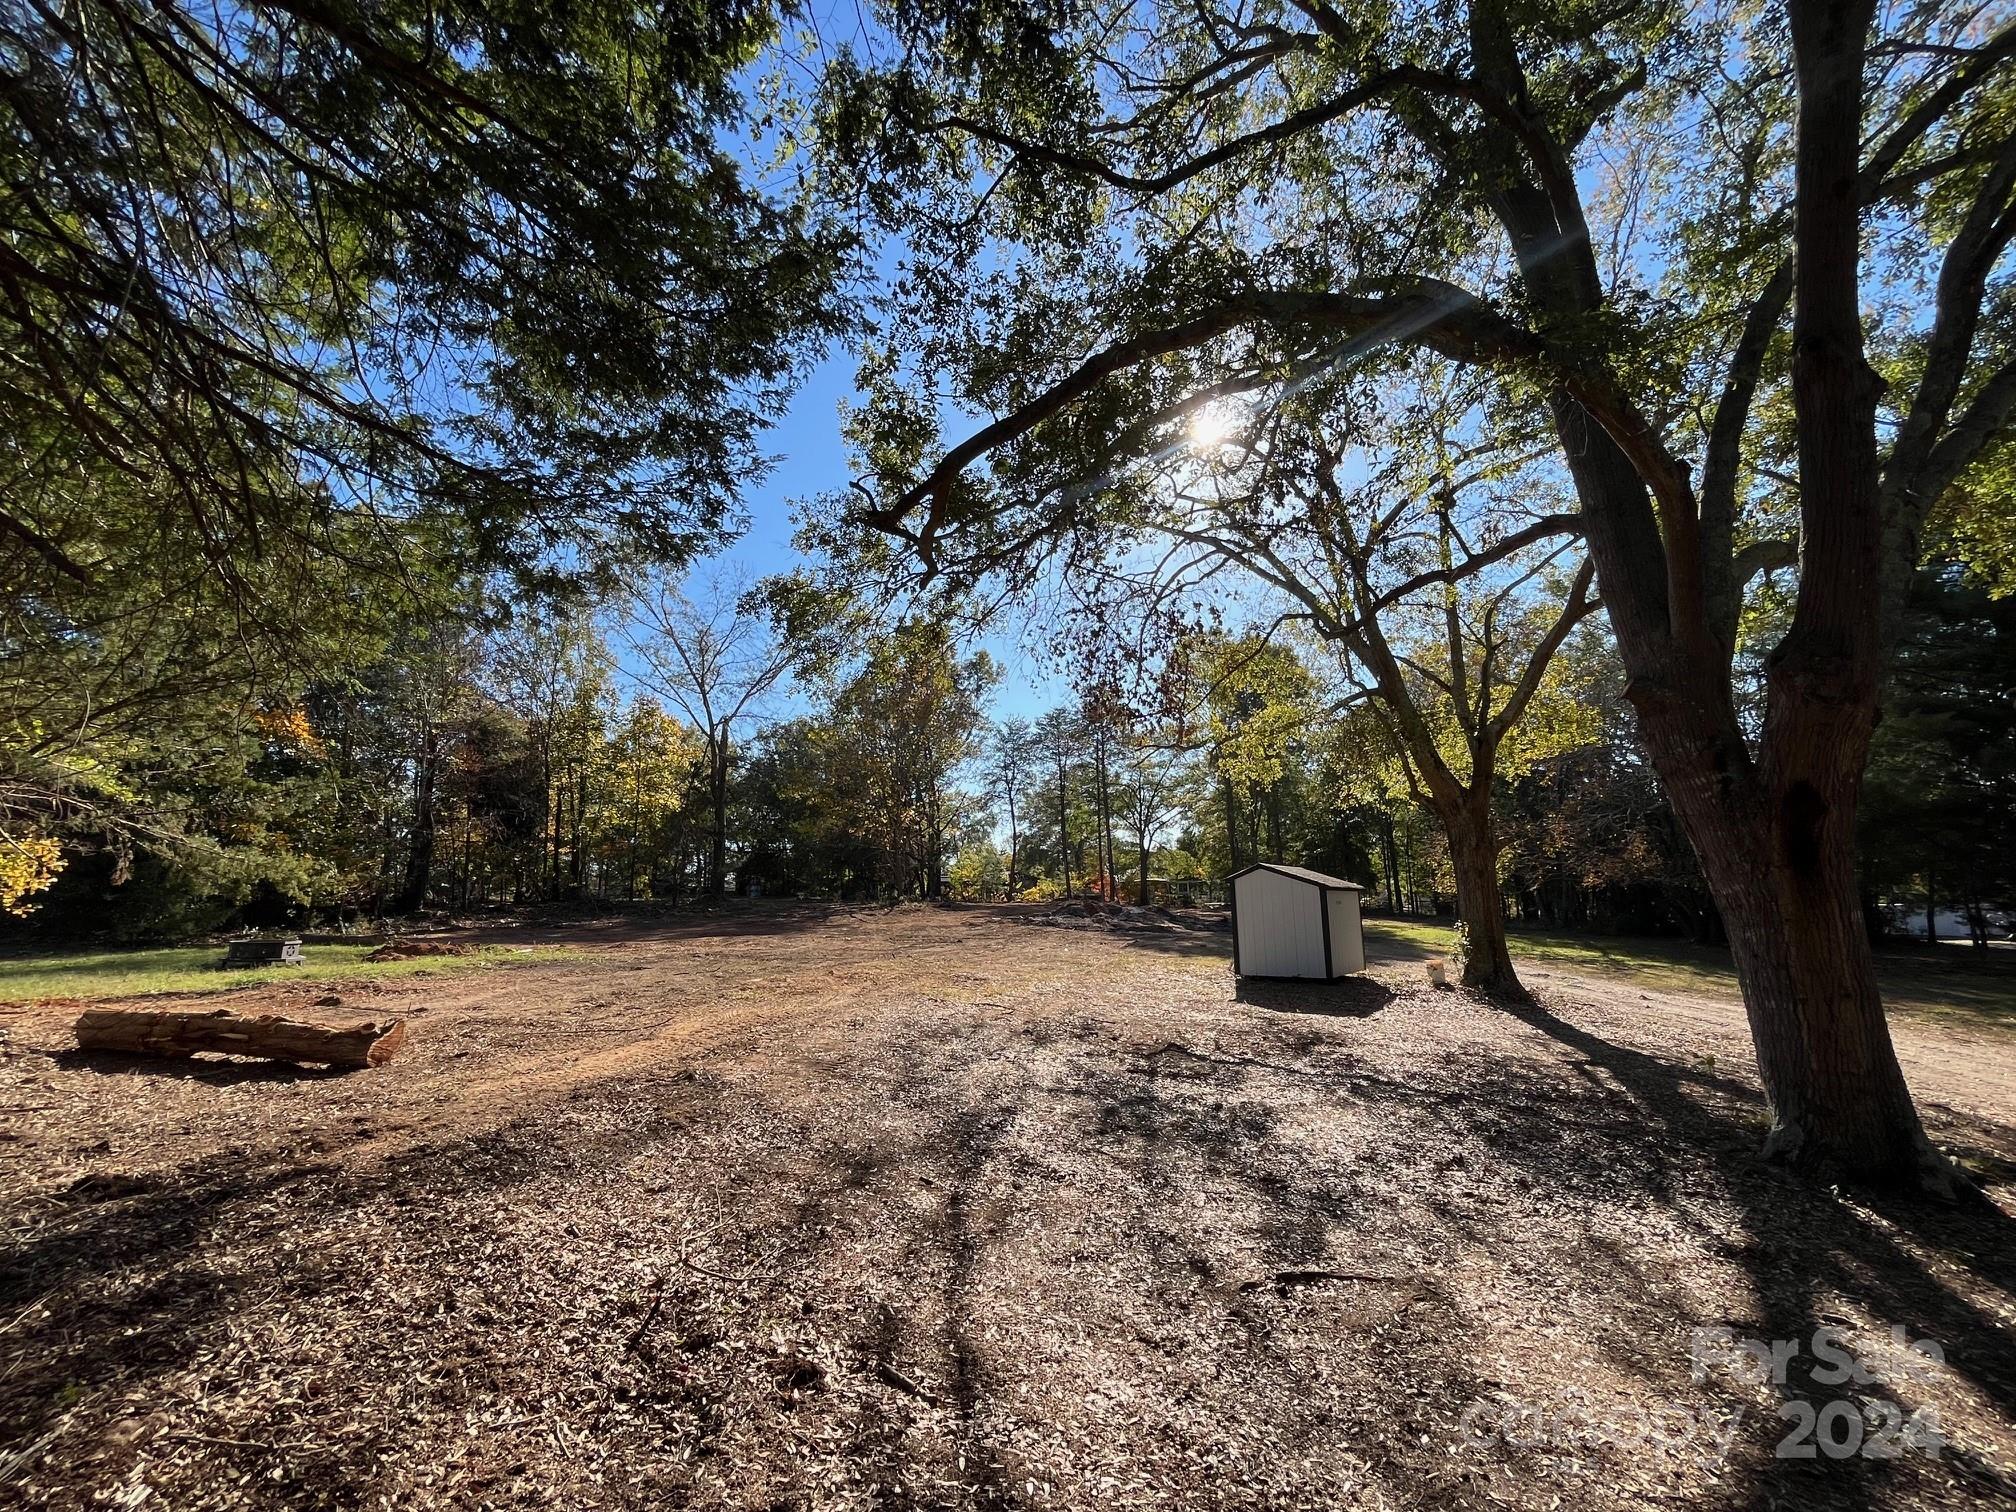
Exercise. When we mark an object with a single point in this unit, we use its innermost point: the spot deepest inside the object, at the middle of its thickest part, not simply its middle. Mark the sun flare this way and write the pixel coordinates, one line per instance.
(1211, 427)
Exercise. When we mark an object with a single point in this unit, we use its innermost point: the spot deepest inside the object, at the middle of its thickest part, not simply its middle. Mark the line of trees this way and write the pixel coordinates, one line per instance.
(530, 763)
(461, 769)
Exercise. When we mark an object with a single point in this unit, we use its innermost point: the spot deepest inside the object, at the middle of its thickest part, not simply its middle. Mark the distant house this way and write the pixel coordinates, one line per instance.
(1187, 892)
(1952, 924)
(1289, 921)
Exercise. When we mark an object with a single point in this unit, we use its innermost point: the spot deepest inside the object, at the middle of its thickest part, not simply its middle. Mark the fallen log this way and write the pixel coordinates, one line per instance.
(173, 1032)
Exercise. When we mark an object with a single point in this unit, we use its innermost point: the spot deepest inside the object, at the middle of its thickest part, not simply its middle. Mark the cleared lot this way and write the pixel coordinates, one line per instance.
(942, 1208)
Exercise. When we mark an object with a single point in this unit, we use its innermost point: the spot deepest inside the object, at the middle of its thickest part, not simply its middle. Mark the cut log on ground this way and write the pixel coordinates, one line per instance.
(171, 1032)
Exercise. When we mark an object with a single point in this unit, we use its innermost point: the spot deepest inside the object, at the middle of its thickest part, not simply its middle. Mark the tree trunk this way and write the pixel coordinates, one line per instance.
(550, 818)
(577, 860)
(1106, 881)
(934, 848)
(1473, 856)
(717, 783)
(630, 866)
(1144, 871)
(420, 844)
(1064, 829)
(1774, 834)
(221, 1031)
(1776, 845)
(1777, 837)
(1014, 848)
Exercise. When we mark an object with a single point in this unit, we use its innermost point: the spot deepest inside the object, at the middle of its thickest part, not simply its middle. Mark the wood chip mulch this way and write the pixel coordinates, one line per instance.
(923, 1210)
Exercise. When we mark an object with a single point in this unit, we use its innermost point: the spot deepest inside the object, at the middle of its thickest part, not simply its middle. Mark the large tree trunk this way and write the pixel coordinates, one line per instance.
(1473, 855)
(1144, 871)
(1775, 839)
(1776, 844)
(1823, 1046)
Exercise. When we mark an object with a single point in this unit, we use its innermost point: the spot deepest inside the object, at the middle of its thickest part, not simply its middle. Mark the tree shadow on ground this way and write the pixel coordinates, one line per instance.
(80, 1327)
(1346, 997)
(216, 1071)
(1383, 948)
(1622, 1131)
(1208, 1172)
(728, 918)
(1808, 1250)
(120, 1279)
(1238, 1214)
(1178, 942)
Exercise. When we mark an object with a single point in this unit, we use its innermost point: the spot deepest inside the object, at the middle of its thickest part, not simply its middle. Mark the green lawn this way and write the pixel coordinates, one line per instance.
(194, 968)
(1952, 982)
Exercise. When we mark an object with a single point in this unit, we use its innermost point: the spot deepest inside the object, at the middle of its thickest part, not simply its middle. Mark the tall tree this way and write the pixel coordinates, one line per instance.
(1433, 560)
(1257, 700)
(644, 779)
(716, 660)
(556, 674)
(429, 695)
(904, 719)
(1154, 786)
(1060, 739)
(312, 314)
(1257, 217)
(1939, 819)
(1011, 761)
(1100, 721)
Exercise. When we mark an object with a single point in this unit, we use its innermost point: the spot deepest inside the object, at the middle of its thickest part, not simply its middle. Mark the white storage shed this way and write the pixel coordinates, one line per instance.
(1289, 921)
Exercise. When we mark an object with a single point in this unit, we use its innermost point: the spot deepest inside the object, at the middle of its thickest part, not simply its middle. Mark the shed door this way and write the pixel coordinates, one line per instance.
(1280, 926)
(1347, 933)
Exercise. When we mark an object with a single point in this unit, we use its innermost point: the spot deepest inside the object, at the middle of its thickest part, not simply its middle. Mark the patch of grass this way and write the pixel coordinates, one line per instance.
(104, 974)
(1953, 982)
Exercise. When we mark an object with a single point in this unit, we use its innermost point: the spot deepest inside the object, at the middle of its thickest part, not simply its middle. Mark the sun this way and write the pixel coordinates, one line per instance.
(1211, 427)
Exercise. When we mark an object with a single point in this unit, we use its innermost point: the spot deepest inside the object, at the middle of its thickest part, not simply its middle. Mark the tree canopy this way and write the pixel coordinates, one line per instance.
(317, 320)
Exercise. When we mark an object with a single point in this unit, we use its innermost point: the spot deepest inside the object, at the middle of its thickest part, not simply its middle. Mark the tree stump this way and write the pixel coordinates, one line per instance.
(183, 1032)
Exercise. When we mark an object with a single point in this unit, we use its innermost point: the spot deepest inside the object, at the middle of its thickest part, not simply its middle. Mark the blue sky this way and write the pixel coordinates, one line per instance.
(809, 455)
(810, 458)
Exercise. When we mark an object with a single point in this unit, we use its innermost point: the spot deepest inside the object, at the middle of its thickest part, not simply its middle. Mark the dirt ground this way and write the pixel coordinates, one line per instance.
(933, 1208)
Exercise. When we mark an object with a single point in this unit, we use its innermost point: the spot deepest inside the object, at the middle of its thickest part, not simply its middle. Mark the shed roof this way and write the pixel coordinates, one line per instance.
(1299, 873)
